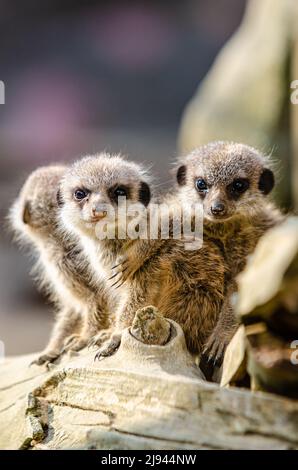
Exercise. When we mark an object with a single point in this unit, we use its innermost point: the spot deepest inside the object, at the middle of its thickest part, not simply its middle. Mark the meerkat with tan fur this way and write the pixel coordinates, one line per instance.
(186, 286)
(61, 270)
(231, 181)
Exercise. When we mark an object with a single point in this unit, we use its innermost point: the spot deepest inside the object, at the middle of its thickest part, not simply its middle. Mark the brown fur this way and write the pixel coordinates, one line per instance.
(235, 233)
(61, 270)
(186, 286)
(245, 218)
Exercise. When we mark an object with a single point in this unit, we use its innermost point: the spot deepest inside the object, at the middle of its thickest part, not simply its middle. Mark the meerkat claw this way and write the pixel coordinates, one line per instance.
(209, 359)
(121, 284)
(99, 357)
(119, 272)
(217, 361)
(219, 356)
(109, 349)
(214, 353)
(118, 283)
(116, 265)
(114, 275)
(99, 339)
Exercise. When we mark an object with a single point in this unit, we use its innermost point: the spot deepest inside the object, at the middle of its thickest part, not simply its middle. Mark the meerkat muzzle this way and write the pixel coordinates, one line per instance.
(99, 216)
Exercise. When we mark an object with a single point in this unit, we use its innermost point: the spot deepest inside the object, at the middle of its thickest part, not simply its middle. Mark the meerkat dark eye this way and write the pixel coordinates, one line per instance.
(201, 185)
(120, 192)
(80, 194)
(239, 186)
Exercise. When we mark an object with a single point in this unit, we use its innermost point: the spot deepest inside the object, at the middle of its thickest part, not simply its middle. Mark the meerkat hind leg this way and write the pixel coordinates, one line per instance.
(65, 325)
(93, 321)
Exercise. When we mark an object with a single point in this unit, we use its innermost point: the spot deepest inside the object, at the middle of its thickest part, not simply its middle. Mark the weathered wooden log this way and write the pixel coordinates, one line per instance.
(143, 397)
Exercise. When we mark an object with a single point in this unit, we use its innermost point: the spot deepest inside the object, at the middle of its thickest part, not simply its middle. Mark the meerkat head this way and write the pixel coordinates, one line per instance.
(35, 210)
(229, 179)
(94, 187)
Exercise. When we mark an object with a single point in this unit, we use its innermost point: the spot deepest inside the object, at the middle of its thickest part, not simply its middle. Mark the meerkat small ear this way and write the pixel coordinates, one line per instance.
(59, 198)
(144, 193)
(181, 175)
(266, 181)
(27, 213)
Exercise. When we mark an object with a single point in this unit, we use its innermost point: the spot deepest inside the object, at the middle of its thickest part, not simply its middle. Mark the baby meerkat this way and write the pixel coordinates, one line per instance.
(61, 270)
(186, 286)
(91, 193)
(231, 181)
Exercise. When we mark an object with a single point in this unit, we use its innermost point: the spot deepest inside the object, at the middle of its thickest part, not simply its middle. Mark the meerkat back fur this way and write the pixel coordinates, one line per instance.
(61, 270)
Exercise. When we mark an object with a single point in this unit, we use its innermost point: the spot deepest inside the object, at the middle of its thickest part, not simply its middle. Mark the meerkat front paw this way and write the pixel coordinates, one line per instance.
(45, 358)
(100, 338)
(214, 349)
(122, 270)
(75, 343)
(109, 348)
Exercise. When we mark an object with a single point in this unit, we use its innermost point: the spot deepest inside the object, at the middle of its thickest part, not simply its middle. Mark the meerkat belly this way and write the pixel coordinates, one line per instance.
(191, 292)
(100, 265)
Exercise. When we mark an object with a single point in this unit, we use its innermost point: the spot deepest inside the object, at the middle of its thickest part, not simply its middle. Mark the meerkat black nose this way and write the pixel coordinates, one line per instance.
(218, 208)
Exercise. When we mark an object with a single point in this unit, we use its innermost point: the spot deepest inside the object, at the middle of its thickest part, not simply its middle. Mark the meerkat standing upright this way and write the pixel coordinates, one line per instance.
(231, 181)
(61, 269)
(186, 286)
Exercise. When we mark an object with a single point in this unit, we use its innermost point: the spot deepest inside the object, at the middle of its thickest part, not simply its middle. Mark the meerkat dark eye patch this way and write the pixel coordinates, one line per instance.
(59, 198)
(266, 181)
(238, 187)
(118, 191)
(27, 213)
(181, 175)
(144, 193)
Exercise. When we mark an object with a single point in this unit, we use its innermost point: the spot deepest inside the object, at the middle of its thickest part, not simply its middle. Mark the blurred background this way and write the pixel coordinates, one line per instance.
(81, 77)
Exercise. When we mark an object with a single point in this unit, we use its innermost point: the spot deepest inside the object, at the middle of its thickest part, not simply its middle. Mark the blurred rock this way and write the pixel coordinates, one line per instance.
(294, 118)
(270, 364)
(268, 286)
(268, 305)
